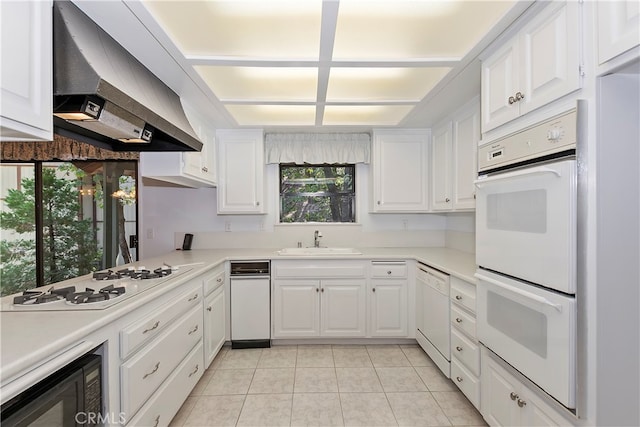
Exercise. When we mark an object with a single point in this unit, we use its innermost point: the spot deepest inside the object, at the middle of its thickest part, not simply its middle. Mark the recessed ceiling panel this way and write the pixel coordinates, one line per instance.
(364, 115)
(261, 83)
(404, 29)
(273, 115)
(382, 84)
(242, 28)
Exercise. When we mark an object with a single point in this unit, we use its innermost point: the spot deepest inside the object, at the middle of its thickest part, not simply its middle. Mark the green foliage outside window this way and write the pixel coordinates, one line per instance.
(317, 193)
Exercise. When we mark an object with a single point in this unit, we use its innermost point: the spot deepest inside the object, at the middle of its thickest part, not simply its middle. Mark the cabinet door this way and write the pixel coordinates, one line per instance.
(550, 56)
(618, 27)
(388, 308)
(200, 164)
(343, 308)
(537, 413)
(466, 134)
(214, 324)
(296, 308)
(499, 394)
(26, 74)
(399, 171)
(441, 168)
(241, 172)
(500, 80)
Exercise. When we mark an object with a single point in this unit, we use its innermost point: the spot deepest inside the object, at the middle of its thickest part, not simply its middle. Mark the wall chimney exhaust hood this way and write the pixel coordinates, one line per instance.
(106, 97)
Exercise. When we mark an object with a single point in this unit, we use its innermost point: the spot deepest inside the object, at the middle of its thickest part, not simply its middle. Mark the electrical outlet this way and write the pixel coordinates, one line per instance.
(405, 224)
(227, 226)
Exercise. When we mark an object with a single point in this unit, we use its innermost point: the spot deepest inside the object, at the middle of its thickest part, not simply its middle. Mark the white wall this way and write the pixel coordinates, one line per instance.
(169, 212)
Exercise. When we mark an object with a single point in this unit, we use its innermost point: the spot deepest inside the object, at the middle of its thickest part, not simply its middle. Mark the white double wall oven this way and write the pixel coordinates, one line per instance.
(526, 234)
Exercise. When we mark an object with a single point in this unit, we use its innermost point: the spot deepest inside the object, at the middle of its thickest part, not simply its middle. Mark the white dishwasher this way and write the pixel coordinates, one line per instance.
(250, 304)
(432, 313)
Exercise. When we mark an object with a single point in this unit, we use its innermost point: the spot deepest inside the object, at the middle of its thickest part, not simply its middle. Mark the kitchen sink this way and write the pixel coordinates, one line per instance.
(318, 251)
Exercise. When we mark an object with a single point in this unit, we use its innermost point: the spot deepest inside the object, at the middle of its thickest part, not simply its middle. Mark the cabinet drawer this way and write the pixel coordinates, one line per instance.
(143, 373)
(466, 382)
(167, 400)
(145, 329)
(466, 351)
(463, 293)
(318, 269)
(463, 321)
(213, 282)
(391, 269)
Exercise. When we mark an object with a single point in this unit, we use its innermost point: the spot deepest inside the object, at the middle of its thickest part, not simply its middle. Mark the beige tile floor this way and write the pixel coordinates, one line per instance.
(326, 385)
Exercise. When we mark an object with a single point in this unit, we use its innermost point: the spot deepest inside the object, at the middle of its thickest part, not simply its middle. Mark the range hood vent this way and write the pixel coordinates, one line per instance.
(106, 97)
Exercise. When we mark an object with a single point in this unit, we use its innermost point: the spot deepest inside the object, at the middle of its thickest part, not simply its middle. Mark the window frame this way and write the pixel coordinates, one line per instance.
(353, 194)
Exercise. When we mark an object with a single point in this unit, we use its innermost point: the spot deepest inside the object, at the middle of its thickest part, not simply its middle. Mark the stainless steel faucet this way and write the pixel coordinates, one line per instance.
(316, 239)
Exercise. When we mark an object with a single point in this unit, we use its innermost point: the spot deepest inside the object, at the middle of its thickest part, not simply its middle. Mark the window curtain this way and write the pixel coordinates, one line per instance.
(61, 148)
(317, 148)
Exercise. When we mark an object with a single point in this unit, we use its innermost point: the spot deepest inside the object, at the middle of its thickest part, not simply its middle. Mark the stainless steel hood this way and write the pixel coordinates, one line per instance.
(106, 97)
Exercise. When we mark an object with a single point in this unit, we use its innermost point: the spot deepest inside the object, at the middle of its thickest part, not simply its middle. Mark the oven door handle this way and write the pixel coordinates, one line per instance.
(525, 294)
(517, 174)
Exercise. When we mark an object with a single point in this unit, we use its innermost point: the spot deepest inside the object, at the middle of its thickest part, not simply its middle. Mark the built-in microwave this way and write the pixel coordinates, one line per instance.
(71, 396)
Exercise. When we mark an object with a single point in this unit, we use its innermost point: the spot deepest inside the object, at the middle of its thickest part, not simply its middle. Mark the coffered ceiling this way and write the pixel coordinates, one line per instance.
(323, 62)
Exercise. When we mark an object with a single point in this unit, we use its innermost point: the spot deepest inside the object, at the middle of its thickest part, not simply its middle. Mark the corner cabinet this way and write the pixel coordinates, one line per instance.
(399, 170)
(618, 28)
(26, 77)
(453, 159)
(240, 171)
(539, 65)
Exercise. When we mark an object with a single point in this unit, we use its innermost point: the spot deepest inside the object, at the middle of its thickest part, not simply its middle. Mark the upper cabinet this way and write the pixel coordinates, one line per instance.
(240, 171)
(26, 112)
(399, 170)
(618, 28)
(540, 64)
(453, 159)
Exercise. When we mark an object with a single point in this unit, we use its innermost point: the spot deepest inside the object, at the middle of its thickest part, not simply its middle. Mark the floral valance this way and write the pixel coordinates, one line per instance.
(317, 148)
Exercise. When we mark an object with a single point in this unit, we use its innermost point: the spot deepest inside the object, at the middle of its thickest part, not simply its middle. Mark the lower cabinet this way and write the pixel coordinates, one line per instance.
(506, 401)
(214, 315)
(387, 299)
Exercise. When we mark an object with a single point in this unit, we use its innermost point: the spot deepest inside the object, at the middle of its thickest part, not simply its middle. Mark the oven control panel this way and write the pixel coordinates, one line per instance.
(552, 136)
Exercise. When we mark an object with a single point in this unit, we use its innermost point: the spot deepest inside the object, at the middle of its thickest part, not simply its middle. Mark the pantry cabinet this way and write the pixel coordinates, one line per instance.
(26, 76)
(618, 28)
(540, 64)
(399, 171)
(506, 401)
(240, 171)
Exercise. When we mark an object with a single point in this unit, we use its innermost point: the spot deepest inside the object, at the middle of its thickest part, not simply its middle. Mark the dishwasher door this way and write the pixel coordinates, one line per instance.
(250, 312)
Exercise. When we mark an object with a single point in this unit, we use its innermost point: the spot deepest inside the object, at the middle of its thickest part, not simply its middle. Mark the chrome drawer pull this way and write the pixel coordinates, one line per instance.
(458, 297)
(155, 326)
(193, 330)
(155, 369)
(459, 320)
(194, 371)
(459, 379)
(195, 297)
(513, 396)
(219, 279)
(389, 272)
(521, 403)
(458, 348)
(209, 308)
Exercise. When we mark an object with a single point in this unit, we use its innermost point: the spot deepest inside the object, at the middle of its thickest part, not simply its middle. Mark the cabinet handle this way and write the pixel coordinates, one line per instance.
(459, 320)
(513, 396)
(155, 326)
(317, 289)
(389, 272)
(209, 308)
(522, 403)
(512, 100)
(193, 298)
(374, 289)
(155, 369)
(459, 379)
(447, 200)
(458, 348)
(321, 289)
(458, 297)
(195, 328)
(192, 373)
(519, 96)
(219, 279)
(257, 203)
(379, 202)
(205, 170)
(156, 421)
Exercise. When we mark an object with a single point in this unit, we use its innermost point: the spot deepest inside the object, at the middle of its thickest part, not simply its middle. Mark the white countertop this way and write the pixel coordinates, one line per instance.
(29, 339)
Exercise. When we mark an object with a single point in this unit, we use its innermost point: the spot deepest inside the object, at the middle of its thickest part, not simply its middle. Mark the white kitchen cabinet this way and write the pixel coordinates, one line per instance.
(388, 304)
(240, 171)
(296, 308)
(618, 28)
(506, 401)
(26, 77)
(453, 159)
(214, 315)
(399, 170)
(342, 308)
(540, 64)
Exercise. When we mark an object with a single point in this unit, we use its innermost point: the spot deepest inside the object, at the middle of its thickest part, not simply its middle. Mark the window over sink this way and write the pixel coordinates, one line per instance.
(317, 193)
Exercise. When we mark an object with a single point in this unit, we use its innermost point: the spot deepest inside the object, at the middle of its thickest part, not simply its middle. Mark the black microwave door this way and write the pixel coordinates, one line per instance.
(57, 405)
